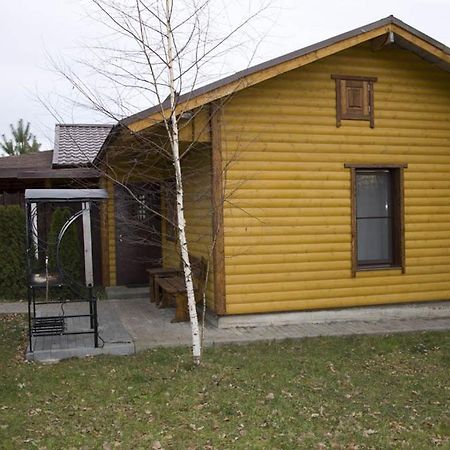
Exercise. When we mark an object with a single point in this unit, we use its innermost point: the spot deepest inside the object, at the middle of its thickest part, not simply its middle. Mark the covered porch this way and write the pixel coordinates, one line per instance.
(139, 218)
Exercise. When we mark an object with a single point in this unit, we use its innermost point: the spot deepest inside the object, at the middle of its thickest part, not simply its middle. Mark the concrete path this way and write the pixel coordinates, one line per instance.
(127, 326)
(150, 327)
(14, 308)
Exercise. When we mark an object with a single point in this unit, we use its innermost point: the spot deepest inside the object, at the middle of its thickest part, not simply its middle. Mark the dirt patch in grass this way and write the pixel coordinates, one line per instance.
(338, 393)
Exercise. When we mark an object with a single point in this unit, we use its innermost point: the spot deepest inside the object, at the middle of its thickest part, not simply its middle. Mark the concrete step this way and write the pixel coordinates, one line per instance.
(127, 293)
(408, 311)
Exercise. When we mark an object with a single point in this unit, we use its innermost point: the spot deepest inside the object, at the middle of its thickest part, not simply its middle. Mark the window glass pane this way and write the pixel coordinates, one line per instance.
(374, 240)
(373, 193)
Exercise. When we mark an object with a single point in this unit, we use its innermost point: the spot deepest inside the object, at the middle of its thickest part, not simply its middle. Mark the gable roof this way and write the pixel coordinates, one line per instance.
(78, 144)
(404, 35)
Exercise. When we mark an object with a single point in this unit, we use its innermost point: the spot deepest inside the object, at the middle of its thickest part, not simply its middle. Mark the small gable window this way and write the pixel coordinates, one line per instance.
(354, 98)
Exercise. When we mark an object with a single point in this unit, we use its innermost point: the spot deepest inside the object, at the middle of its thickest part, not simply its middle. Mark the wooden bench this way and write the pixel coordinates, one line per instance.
(158, 272)
(174, 288)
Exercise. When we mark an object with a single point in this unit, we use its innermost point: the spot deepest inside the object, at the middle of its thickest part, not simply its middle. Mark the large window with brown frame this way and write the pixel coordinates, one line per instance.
(377, 217)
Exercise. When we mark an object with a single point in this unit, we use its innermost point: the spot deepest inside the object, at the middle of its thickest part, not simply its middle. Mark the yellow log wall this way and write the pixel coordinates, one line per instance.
(196, 167)
(288, 222)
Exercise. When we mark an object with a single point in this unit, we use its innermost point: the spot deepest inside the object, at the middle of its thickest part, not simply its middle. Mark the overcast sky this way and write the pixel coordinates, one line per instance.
(32, 30)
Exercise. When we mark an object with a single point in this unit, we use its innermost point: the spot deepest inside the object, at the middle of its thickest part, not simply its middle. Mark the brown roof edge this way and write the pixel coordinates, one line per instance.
(282, 59)
(75, 173)
(42, 173)
(8, 173)
(419, 34)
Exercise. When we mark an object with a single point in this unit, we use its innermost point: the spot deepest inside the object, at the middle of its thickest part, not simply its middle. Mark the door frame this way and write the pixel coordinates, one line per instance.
(121, 276)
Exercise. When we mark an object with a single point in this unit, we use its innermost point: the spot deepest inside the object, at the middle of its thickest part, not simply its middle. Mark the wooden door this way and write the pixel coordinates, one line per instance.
(138, 232)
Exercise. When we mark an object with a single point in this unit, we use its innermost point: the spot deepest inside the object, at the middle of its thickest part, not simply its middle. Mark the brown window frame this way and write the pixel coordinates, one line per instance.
(365, 84)
(398, 217)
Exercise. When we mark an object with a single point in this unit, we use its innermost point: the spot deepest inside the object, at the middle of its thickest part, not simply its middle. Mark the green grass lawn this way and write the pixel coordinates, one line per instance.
(338, 393)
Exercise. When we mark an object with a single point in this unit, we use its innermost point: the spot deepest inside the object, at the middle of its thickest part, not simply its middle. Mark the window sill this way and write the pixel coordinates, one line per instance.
(372, 268)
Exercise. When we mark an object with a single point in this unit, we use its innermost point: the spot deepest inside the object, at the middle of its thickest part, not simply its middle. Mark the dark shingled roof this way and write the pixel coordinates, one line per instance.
(78, 144)
(36, 160)
(39, 166)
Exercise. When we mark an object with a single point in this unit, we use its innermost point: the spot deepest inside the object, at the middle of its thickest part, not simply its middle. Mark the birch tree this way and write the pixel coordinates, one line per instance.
(174, 144)
(159, 49)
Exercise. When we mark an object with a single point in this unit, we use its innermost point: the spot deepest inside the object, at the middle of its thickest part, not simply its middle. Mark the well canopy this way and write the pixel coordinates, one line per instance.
(64, 195)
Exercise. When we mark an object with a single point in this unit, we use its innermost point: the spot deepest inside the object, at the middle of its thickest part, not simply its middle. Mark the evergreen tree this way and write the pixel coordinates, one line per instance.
(22, 141)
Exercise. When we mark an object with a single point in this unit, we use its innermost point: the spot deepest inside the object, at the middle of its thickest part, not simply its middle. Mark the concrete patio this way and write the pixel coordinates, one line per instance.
(128, 326)
(114, 339)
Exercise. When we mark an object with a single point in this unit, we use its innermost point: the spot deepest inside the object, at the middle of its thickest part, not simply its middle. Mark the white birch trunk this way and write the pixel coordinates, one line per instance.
(174, 141)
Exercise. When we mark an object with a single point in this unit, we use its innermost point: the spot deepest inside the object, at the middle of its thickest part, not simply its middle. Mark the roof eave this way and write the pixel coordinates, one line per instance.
(268, 69)
(74, 173)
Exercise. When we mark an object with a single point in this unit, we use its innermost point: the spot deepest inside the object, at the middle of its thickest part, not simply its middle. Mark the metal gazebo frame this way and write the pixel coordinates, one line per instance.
(52, 325)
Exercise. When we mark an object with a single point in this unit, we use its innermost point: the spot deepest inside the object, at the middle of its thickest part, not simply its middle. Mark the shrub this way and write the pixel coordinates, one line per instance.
(12, 252)
(70, 248)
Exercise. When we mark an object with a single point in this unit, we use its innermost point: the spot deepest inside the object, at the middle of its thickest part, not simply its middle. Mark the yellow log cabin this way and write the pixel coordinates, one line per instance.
(317, 180)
